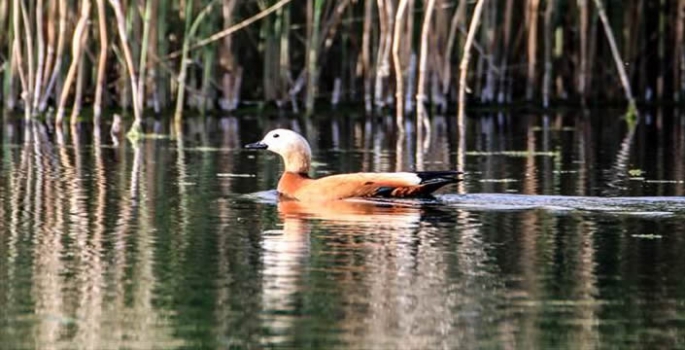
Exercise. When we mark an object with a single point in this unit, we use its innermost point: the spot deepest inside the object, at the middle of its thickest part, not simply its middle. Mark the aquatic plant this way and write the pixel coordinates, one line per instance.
(387, 54)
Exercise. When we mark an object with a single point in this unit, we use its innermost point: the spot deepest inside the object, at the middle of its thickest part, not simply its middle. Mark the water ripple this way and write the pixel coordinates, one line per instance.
(635, 206)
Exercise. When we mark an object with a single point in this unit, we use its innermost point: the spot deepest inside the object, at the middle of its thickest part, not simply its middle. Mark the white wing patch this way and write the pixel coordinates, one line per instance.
(408, 178)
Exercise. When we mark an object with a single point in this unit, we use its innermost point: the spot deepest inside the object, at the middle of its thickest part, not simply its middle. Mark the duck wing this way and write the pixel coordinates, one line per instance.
(396, 185)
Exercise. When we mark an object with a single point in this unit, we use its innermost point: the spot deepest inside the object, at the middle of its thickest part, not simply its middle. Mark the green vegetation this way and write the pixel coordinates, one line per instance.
(205, 55)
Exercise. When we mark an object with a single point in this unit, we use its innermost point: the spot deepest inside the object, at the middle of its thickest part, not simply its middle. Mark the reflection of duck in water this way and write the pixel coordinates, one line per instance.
(296, 183)
(362, 247)
(351, 212)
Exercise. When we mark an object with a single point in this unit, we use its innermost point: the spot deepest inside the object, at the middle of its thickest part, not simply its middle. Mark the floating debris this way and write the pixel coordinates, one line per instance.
(235, 175)
(647, 236)
(499, 180)
(664, 181)
(513, 153)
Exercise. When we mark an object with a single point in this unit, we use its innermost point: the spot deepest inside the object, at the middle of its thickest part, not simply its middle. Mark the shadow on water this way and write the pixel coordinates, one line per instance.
(562, 234)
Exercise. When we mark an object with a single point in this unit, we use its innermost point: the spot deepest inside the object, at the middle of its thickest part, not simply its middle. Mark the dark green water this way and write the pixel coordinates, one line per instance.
(567, 233)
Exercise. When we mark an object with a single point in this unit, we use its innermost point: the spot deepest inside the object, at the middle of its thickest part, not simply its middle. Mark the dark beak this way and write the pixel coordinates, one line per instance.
(257, 145)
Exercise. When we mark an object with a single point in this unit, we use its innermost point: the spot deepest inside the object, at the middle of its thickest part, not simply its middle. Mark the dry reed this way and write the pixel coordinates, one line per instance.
(368, 51)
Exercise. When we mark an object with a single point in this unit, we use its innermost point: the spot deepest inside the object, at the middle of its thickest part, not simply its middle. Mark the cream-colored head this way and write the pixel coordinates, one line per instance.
(291, 146)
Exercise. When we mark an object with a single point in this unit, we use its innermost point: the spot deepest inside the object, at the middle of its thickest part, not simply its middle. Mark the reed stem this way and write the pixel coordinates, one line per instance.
(18, 57)
(102, 62)
(142, 66)
(421, 98)
(464, 65)
(41, 54)
(57, 66)
(399, 72)
(76, 51)
(368, 50)
(128, 58)
(632, 106)
(191, 30)
(312, 57)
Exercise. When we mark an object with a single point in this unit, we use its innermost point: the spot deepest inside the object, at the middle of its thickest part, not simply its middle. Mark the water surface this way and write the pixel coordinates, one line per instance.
(567, 233)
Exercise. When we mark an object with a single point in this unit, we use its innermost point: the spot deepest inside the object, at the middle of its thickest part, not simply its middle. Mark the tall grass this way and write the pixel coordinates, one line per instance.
(140, 54)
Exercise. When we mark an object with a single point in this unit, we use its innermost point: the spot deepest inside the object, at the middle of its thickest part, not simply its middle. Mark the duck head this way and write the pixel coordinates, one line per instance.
(291, 146)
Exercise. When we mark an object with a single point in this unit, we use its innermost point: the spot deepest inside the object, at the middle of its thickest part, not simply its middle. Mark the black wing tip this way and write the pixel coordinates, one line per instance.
(444, 176)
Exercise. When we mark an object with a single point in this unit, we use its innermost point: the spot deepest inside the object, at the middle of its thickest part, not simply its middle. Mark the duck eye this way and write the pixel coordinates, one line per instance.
(276, 136)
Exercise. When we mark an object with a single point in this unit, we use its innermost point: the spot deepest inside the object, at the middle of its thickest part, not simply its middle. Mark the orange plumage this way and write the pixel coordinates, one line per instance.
(295, 182)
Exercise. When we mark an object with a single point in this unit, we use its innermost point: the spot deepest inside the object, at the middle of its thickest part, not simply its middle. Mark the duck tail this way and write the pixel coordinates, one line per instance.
(439, 177)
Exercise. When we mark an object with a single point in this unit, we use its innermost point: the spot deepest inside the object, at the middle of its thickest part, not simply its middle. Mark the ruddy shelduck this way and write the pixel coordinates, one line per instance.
(295, 182)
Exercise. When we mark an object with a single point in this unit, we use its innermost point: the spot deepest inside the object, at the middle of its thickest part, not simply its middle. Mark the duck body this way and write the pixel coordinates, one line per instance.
(360, 185)
(296, 184)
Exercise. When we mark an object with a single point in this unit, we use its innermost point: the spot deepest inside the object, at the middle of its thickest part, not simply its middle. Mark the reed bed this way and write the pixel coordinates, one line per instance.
(405, 56)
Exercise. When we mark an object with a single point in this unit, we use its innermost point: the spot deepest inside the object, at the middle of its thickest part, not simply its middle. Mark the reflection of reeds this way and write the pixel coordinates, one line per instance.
(530, 182)
(618, 175)
(50, 211)
(393, 274)
(64, 259)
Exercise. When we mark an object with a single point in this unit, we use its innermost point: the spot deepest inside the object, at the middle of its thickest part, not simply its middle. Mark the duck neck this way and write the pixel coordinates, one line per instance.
(298, 163)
